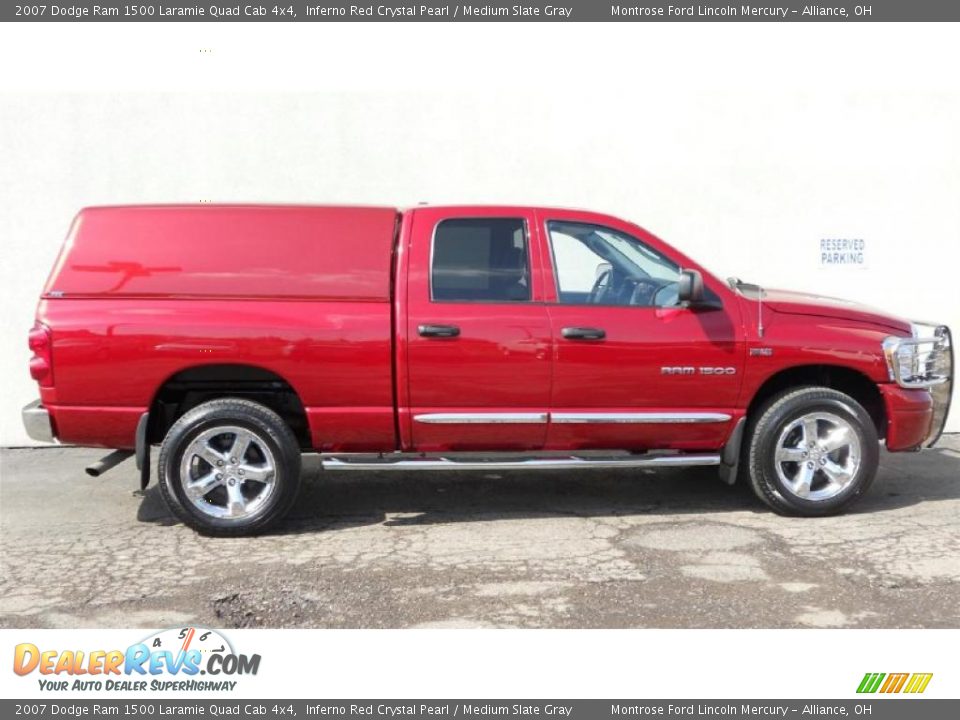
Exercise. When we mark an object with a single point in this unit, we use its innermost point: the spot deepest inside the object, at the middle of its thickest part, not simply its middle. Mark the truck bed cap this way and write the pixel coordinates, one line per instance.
(206, 250)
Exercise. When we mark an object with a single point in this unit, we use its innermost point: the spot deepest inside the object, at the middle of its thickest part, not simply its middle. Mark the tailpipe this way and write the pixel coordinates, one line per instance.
(108, 463)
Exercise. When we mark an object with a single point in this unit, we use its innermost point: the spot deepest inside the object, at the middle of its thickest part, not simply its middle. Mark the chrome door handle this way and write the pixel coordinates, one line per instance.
(583, 333)
(439, 331)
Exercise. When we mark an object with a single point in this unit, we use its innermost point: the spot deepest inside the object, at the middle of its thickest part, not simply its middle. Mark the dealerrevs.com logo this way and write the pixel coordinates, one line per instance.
(181, 659)
(911, 683)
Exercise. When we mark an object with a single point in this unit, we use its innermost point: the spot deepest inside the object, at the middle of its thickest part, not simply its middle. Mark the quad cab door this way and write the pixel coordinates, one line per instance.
(476, 365)
(634, 369)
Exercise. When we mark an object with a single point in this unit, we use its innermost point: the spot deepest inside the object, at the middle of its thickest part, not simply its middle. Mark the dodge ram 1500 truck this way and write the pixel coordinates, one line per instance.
(444, 338)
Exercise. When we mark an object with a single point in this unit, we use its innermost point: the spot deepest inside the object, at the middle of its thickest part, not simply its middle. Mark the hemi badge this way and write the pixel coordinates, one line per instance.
(761, 352)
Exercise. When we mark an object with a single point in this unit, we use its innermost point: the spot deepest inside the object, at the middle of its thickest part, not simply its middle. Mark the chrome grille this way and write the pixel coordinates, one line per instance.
(922, 361)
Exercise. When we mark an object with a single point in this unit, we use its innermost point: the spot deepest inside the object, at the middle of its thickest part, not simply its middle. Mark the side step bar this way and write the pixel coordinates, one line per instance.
(547, 463)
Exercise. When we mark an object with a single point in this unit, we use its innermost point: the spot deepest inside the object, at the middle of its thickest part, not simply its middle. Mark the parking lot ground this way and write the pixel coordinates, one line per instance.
(590, 548)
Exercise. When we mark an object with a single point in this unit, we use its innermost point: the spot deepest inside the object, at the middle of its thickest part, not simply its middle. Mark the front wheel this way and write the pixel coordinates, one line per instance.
(229, 467)
(812, 451)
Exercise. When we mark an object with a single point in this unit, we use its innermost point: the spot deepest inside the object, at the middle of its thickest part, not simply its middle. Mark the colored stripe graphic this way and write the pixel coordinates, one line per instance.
(870, 682)
(918, 682)
(894, 683)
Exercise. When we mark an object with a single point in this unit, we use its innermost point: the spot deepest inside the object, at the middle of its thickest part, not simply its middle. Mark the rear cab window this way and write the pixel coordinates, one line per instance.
(480, 260)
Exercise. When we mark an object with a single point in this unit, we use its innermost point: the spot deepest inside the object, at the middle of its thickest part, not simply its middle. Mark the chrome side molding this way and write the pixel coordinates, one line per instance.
(521, 463)
(641, 418)
(514, 418)
(509, 418)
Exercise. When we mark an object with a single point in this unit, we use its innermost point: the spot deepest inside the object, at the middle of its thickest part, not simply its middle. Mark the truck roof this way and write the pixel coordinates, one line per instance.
(507, 207)
(308, 206)
(237, 205)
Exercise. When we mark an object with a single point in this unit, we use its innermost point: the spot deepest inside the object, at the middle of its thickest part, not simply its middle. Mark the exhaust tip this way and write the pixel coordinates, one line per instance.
(107, 463)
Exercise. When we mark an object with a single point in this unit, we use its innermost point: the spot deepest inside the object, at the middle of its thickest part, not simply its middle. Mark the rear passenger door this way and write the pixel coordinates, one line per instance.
(477, 360)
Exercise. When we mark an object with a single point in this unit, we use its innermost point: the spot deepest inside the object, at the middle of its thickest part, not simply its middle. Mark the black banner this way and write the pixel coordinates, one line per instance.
(874, 709)
(560, 11)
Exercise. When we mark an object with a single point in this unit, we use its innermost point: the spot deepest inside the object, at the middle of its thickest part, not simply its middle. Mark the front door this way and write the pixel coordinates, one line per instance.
(477, 363)
(633, 368)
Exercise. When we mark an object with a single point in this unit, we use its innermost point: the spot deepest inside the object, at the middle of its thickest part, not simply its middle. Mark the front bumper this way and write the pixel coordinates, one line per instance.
(909, 417)
(915, 418)
(36, 420)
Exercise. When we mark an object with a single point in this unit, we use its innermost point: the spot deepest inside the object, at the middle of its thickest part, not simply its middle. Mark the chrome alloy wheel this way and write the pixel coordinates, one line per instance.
(818, 456)
(228, 472)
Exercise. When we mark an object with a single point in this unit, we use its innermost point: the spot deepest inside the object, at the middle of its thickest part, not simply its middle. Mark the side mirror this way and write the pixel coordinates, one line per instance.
(690, 287)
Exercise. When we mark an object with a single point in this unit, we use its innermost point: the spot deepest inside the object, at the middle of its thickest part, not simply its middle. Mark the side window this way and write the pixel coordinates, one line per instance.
(480, 259)
(602, 266)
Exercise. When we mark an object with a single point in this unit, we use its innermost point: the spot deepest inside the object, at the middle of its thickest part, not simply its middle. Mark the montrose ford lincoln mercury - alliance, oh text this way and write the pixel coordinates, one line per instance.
(444, 338)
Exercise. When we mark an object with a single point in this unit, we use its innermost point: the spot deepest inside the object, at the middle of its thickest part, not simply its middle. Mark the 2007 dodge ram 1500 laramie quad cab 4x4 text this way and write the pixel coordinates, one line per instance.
(442, 338)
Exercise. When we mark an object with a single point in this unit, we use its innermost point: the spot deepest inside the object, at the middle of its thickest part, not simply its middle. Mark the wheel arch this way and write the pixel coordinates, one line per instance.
(842, 378)
(192, 385)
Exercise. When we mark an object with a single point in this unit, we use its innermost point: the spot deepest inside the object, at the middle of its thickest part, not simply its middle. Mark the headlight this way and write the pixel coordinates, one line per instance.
(921, 361)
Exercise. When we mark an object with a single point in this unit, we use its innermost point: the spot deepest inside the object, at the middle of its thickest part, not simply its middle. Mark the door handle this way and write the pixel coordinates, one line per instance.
(440, 331)
(583, 333)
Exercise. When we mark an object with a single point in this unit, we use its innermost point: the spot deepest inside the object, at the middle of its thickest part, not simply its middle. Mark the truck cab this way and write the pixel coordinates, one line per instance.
(238, 337)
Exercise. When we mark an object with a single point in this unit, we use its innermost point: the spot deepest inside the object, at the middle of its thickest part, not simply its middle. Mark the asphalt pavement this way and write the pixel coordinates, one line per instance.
(580, 549)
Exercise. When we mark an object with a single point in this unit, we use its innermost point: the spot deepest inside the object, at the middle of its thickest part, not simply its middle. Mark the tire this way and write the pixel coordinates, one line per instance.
(229, 467)
(795, 478)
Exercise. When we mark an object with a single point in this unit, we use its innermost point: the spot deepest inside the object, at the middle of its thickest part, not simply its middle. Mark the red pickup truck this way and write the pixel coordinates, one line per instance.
(445, 338)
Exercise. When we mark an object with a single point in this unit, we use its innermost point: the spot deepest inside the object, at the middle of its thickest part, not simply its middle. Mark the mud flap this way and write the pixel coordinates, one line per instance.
(142, 454)
(730, 457)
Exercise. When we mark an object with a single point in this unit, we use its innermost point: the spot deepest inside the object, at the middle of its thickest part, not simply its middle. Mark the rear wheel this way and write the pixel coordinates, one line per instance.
(812, 451)
(229, 467)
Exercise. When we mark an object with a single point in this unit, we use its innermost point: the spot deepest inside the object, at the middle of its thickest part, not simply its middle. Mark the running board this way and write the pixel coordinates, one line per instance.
(549, 463)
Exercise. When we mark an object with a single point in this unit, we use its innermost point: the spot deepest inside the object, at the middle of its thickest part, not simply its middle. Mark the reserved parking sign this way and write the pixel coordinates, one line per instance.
(843, 252)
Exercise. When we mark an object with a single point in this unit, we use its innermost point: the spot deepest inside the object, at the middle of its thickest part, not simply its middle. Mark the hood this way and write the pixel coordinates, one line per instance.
(795, 303)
